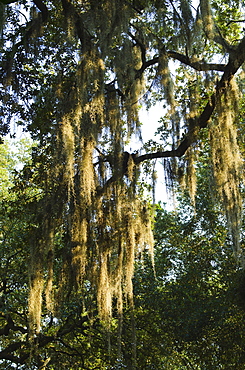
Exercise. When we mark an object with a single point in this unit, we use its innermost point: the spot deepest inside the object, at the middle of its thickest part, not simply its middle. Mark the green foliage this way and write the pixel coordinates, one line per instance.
(189, 309)
(6, 163)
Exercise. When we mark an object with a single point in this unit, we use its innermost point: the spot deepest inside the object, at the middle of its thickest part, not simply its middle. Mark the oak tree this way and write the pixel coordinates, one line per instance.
(74, 75)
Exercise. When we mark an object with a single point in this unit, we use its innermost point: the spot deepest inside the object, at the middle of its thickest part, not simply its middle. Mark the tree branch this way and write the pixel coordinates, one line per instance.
(23, 347)
(11, 326)
(234, 21)
(197, 65)
(7, 353)
(33, 26)
(43, 9)
(237, 58)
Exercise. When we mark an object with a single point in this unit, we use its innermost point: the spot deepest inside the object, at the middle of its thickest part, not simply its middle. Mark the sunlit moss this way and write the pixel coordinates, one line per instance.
(103, 230)
(226, 159)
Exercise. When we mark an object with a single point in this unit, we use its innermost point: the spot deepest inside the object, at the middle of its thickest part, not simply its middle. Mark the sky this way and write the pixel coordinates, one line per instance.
(150, 123)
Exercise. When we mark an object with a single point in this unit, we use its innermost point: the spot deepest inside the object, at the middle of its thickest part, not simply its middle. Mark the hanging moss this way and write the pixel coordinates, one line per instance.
(35, 299)
(103, 231)
(166, 80)
(226, 159)
(191, 174)
(40, 263)
(207, 18)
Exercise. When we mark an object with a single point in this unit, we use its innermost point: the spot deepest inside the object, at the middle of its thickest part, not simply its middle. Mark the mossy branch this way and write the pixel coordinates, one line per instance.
(195, 124)
(196, 65)
(235, 62)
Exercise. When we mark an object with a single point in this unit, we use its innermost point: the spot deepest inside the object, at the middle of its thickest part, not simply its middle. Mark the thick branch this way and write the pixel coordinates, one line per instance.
(197, 65)
(8, 353)
(140, 43)
(11, 326)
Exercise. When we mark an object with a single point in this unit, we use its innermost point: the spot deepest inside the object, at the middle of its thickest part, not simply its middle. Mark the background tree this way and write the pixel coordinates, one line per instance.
(189, 313)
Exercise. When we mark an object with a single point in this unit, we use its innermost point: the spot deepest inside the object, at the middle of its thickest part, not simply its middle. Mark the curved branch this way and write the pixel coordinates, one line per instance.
(197, 65)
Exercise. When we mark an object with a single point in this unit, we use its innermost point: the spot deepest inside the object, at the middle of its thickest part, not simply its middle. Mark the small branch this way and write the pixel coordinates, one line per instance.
(233, 21)
(44, 364)
(139, 11)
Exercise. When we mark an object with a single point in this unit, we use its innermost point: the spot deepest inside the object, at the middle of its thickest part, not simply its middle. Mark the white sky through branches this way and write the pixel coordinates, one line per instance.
(150, 122)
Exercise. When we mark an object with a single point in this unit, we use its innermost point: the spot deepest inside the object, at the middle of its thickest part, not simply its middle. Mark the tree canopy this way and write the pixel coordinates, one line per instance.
(75, 75)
